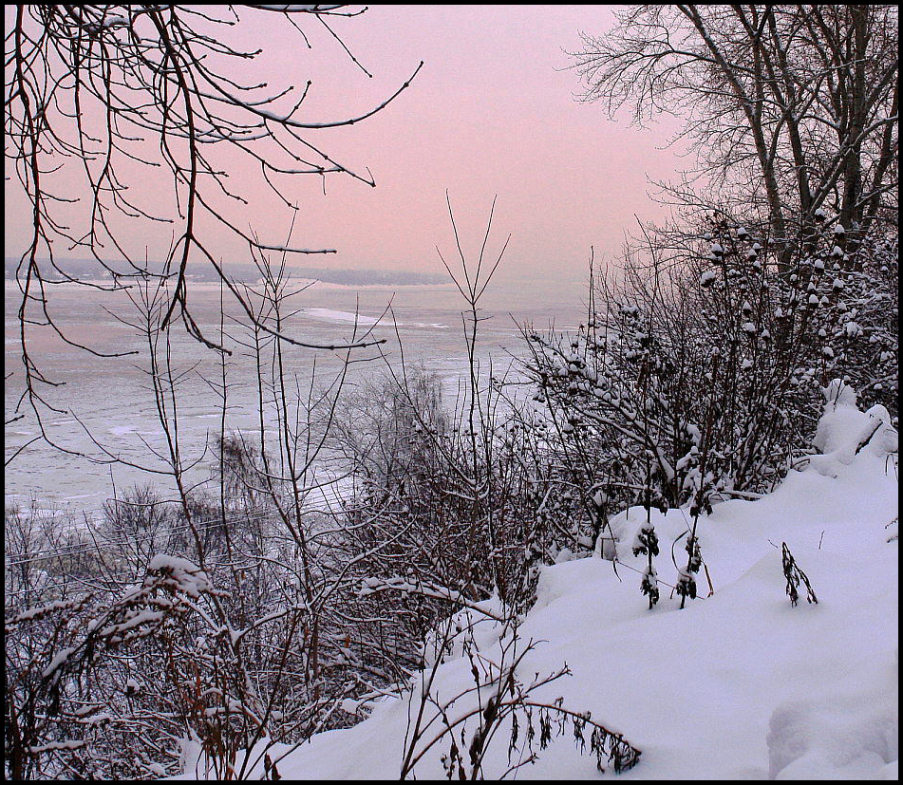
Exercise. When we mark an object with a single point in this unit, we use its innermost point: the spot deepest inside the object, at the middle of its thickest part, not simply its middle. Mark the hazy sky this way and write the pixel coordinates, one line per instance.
(492, 112)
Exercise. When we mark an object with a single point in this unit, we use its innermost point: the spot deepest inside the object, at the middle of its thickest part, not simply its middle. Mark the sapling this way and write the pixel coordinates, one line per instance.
(647, 542)
(686, 583)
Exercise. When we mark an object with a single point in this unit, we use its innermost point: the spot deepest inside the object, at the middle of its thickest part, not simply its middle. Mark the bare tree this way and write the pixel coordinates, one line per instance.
(799, 102)
(102, 89)
(114, 93)
(264, 656)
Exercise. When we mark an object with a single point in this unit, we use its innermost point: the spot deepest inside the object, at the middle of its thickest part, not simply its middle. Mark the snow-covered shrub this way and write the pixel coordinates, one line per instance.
(647, 543)
(843, 430)
(861, 340)
(141, 525)
(86, 670)
(105, 636)
(708, 365)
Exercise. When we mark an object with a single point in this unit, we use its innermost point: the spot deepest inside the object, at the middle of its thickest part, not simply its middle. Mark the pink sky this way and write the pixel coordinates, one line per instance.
(492, 112)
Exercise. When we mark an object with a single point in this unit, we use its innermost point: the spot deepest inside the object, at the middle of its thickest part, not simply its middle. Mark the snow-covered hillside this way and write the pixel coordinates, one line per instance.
(739, 684)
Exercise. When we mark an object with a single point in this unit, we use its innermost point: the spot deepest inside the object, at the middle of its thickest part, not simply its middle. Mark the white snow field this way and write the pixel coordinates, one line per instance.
(738, 685)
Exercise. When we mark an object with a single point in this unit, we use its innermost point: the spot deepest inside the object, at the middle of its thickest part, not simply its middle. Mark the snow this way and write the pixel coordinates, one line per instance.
(59, 659)
(848, 731)
(844, 431)
(68, 744)
(182, 574)
(739, 684)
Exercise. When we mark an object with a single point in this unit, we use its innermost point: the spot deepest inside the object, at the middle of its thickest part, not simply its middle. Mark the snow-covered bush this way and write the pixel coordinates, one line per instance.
(697, 376)
(106, 636)
(86, 670)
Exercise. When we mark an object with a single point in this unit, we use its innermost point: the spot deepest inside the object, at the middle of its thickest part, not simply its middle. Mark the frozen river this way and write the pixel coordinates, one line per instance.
(112, 399)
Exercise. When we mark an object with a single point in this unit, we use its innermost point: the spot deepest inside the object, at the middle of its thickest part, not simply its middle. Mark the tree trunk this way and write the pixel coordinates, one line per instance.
(851, 209)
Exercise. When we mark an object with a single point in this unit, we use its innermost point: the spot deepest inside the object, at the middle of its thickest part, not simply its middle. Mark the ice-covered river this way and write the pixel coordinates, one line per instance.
(111, 398)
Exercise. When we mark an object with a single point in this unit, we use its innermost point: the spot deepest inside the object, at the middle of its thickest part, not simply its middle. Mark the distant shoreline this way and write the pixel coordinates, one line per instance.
(89, 270)
(86, 270)
(319, 283)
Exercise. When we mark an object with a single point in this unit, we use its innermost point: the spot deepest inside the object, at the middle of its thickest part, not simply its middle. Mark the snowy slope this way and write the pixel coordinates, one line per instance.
(739, 684)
